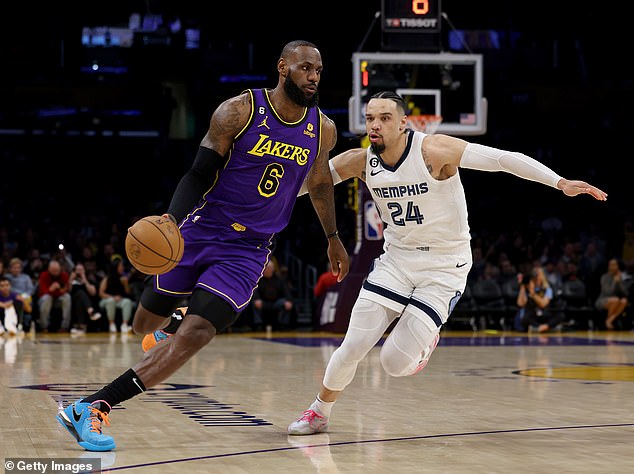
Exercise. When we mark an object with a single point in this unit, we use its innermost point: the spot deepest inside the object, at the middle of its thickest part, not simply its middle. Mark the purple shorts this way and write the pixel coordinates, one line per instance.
(230, 269)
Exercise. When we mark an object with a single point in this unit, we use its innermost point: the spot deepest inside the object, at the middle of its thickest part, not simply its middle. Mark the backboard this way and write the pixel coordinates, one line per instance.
(445, 84)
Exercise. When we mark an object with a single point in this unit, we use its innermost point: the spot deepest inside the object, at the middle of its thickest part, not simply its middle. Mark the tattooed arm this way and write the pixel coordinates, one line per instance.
(226, 122)
(321, 189)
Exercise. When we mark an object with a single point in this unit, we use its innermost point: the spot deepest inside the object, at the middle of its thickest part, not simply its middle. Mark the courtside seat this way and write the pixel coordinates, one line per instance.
(465, 311)
(489, 301)
(577, 305)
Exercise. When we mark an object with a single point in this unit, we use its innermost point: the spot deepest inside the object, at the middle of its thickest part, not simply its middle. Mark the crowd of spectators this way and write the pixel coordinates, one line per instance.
(91, 231)
(64, 291)
(44, 268)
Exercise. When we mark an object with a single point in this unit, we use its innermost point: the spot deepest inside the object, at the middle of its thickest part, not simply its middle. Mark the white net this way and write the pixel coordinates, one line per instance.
(424, 123)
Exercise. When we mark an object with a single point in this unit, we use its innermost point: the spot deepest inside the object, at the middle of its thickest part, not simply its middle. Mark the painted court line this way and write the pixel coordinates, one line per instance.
(367, 441)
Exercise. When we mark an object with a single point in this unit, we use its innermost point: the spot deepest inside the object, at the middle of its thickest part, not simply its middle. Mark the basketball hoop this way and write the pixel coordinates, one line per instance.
(427, 123)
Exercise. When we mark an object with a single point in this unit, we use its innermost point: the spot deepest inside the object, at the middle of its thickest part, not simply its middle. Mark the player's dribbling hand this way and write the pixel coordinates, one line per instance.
(170, 216)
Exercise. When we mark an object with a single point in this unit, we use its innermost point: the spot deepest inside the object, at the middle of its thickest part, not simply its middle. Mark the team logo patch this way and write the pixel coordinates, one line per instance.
(310, 130)
(263, 123)
(454, 301)
(373, 222)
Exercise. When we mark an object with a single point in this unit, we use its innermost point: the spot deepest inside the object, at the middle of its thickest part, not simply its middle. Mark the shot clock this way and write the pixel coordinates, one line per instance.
(411, 25)
(413, 16)
(412, 62)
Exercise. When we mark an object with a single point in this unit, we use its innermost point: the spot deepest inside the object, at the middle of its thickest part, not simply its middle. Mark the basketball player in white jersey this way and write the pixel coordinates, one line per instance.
(421, 274)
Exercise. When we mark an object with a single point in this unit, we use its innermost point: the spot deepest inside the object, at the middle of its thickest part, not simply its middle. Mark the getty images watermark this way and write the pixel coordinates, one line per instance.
(52, 465)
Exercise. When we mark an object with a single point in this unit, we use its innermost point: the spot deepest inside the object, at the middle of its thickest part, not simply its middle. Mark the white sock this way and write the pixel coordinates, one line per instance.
(321, 407)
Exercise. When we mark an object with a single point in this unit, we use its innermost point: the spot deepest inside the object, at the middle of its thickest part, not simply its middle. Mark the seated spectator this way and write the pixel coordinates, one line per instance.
(272, 300)
(136, 282)
(53, 288)
(535, 303)
(613, 294)
(34, 266)
(324, 281)
(114, 293)
(92, 272)
(508, 271)
(325, 301)
(22, 284)
(283, 273)
(553, 275)
(11, 307)
(84, 293)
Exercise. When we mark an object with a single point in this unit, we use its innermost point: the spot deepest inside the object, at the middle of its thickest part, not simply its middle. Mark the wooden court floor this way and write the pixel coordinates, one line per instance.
(488, 402)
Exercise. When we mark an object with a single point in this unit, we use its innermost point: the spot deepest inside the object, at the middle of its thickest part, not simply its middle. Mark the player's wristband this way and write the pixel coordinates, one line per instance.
(334, 234)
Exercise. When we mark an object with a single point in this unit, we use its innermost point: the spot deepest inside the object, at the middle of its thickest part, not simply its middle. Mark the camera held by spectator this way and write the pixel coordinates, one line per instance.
(525, 278)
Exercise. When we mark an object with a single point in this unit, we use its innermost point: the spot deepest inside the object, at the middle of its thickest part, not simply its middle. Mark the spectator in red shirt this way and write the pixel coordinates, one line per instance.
(325, 281)
(53, 285)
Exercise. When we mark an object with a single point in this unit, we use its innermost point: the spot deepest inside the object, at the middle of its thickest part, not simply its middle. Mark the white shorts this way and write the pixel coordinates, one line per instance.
(428, 284)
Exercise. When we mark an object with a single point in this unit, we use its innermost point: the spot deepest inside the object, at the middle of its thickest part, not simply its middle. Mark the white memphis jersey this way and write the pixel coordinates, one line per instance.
(419, 211)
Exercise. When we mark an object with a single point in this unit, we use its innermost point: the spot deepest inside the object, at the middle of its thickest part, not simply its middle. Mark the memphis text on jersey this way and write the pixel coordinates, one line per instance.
(388, 192)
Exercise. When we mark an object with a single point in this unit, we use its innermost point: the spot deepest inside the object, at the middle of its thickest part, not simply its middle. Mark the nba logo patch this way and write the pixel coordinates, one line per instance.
(373, 223)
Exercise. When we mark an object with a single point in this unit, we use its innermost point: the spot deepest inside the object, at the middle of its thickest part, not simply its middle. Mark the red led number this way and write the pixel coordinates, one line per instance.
(420, 7)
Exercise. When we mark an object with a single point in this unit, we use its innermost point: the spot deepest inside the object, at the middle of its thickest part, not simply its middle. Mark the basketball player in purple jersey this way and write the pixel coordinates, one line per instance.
(240, 191)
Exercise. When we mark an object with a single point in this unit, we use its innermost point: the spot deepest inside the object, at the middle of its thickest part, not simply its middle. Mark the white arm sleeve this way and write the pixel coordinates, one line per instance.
(485, 158)
(336, 179)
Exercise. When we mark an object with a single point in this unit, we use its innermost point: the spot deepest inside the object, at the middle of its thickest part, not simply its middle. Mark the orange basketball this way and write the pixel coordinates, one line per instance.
(154, 245)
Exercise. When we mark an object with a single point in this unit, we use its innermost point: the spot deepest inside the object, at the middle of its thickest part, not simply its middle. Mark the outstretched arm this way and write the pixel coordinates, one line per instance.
(486, 158)
(446, 152)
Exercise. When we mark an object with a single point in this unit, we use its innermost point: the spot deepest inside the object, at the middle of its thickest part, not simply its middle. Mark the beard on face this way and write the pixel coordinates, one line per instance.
(297, 95)
(378, 148)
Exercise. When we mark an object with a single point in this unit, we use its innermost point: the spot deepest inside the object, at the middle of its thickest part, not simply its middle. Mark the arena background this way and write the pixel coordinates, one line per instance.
(558, 84)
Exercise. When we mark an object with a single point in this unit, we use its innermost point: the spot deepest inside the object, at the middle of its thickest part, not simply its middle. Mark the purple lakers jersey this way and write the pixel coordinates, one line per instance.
(255, 193)
(228, 234)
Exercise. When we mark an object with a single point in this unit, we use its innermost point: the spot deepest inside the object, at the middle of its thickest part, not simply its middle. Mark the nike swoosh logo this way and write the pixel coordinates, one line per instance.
(372, 173)
(136, 382)
(76, 416)
(460, 265)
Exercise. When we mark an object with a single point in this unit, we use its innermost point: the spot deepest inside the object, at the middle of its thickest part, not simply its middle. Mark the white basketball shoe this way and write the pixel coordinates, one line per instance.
(310, 422)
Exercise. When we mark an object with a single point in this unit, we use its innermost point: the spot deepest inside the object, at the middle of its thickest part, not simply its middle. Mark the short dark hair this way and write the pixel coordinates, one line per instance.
(400, 102)
(290, 47)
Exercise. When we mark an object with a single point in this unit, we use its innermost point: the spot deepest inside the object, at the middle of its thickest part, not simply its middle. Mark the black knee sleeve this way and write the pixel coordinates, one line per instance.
(161, 305)
(213, 308)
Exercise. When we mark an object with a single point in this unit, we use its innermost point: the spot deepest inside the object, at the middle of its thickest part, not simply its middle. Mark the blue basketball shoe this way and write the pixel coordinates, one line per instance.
(83, 421)
(150, 340)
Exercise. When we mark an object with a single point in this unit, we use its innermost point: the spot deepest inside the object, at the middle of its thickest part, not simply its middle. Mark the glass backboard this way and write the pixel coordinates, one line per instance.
(445, 84)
